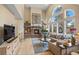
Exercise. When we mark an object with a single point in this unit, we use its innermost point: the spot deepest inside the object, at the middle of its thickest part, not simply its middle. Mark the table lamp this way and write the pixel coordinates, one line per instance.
(73, 30)
(78, 33)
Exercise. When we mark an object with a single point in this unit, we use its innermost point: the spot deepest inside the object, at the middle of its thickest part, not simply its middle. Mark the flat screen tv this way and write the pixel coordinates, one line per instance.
(9, 32)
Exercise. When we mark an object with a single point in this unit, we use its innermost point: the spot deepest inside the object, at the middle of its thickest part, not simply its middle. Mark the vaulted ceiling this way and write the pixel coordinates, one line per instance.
(39, 6)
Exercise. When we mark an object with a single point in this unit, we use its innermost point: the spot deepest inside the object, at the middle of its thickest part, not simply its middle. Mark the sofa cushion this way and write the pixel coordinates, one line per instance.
(53, 40)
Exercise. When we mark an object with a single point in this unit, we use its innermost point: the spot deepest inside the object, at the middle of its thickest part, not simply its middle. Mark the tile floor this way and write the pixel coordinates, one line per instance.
(26, 48)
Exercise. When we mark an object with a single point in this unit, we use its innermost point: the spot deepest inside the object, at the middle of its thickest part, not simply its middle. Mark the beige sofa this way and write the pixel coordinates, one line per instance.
(57, 50)
(53, 48)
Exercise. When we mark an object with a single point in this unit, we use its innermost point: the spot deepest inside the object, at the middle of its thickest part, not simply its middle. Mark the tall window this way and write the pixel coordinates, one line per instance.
(62, 22)
(70, 13)
(56, 18)
(70, 20)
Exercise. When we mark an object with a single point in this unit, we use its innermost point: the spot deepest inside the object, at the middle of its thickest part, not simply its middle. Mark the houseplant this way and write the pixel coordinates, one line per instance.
(45, 33)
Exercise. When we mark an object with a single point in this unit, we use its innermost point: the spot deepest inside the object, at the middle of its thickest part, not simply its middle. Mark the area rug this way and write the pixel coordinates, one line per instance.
(38, 46)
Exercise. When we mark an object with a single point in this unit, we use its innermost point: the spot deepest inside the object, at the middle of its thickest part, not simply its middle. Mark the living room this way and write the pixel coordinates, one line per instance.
(58, 28)
(39, 29)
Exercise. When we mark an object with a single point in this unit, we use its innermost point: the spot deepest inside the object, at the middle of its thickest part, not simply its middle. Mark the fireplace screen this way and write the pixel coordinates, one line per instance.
(36, 31)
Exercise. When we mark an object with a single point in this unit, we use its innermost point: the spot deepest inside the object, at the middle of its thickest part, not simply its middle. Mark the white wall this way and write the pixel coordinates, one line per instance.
(6, 17)
(20, 8)
(27, 14)
(20, 22)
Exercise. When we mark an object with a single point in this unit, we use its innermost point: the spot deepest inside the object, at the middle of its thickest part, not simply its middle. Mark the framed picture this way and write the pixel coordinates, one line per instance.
(36, 18)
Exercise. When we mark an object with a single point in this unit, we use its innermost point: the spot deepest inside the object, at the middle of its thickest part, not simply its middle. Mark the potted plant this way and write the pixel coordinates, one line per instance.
(44, 32)
(73, 40)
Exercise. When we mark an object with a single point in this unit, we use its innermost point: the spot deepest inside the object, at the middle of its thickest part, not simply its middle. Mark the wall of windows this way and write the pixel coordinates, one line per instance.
(62, 20)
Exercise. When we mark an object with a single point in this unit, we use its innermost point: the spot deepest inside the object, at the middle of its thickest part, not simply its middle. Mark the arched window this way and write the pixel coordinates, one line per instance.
(56, 17)
(57, 10)
(61, 22)
(70, 13)
(70, 20)
(56, 13)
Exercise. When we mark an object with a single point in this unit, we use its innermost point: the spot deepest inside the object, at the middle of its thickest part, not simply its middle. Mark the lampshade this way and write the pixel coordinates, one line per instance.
(78, 33)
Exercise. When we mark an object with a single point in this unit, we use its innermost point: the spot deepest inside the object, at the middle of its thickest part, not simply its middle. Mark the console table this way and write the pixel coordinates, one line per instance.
(9, 48)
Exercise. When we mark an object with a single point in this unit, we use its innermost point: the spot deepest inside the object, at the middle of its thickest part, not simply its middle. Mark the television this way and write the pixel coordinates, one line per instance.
(9, 32)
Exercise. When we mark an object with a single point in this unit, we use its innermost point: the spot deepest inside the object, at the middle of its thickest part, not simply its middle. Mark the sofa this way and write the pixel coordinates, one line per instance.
(54, 46)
